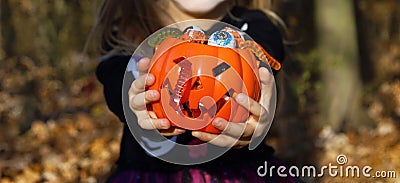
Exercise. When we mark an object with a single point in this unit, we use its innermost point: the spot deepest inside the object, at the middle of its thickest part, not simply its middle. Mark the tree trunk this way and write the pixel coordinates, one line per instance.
(7, 35)
(338, 52)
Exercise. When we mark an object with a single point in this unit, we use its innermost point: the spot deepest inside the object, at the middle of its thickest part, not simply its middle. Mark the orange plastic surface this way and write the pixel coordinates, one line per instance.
(197, 83)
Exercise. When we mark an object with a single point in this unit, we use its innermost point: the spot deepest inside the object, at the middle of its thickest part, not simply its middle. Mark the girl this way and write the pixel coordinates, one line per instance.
(123, 25)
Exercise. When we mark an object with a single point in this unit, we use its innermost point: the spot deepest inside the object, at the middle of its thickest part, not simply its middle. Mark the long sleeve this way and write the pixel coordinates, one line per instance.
(110, 73)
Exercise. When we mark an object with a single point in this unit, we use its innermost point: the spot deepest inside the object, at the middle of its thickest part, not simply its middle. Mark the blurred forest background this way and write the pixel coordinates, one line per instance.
(340, 90)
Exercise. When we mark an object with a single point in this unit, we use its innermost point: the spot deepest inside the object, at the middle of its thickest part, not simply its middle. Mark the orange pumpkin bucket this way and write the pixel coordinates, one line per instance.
(198, 81)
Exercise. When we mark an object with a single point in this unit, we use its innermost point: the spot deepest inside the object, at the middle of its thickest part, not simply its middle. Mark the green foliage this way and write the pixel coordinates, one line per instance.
(42, 65)
(47, 32)
(307, 85)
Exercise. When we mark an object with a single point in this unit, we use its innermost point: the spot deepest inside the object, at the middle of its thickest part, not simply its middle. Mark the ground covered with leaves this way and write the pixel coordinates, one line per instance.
(73, 137)
(55, 126)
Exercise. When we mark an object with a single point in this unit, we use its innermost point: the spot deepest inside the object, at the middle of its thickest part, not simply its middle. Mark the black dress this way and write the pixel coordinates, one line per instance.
(135, 165)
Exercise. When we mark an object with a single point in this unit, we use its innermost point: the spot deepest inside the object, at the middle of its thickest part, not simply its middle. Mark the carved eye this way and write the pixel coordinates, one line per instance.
(222, 38)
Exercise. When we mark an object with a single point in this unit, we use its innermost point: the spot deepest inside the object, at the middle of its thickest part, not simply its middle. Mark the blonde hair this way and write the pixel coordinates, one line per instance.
(135, 20)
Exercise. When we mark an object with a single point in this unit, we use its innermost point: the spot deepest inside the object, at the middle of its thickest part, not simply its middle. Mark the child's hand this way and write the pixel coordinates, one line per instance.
(138, 98)
(255, 126)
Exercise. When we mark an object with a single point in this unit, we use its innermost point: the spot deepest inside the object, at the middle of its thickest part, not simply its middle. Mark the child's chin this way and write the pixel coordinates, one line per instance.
(198, 7)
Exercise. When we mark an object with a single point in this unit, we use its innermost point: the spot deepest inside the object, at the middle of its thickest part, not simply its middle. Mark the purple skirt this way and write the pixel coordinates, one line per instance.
(247, 173)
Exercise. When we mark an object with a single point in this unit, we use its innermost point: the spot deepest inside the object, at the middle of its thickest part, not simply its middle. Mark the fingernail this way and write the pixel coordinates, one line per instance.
(217, 122)
(150, 77)
(263, 71)
(164, 123)
(196, 134)
(241, 98)
(152, 93)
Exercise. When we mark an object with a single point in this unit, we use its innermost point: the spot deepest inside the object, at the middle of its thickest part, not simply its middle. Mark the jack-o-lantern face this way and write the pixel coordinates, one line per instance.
(198, 83)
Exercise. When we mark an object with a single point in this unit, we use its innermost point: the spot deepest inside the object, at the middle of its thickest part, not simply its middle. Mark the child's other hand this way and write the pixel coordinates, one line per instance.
(255, 126)
(138, 98)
